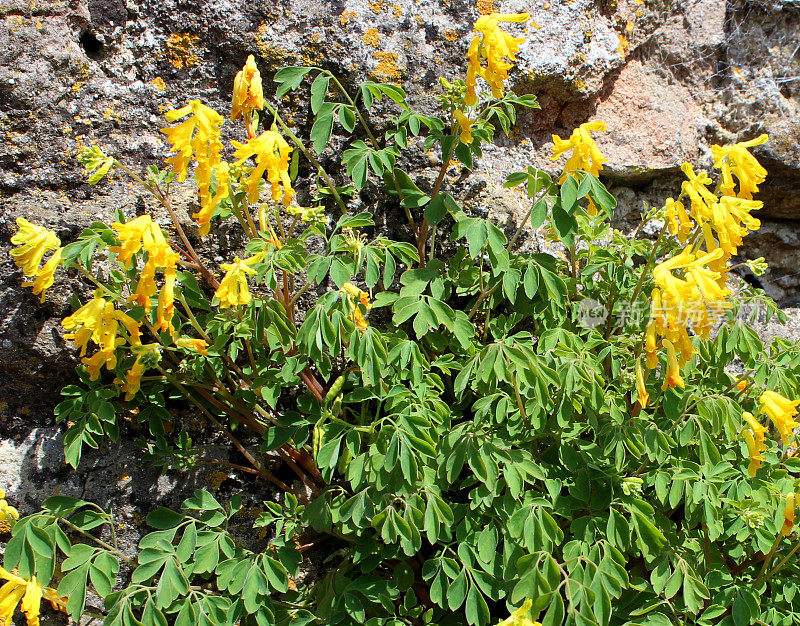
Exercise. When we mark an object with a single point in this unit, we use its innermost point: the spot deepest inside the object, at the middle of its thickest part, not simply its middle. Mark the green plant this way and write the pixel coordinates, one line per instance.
(465, 434)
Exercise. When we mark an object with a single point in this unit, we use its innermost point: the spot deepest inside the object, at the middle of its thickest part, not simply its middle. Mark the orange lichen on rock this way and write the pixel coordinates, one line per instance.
(485, 7)
(180, 50)
(372, 37)
(386, 69)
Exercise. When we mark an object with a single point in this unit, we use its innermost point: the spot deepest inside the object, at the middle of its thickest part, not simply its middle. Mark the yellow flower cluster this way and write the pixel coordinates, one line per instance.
(585, 156)
(494, 45)
(28, 595)
(782, 413)
(356, 296)
(248, 93)
(271, 153)
(33, 243)
(143, 233)
(198, 136)
(99, 322)
(7, 512)
(233, 289)
(714, 221)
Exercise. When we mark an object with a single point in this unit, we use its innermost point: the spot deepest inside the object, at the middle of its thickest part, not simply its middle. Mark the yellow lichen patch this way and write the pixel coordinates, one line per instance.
(624, 46)
(372, 38)
(108, 113)
(386, 69)
(159, 83)
(397, 10)
(180, 50)
(485, 7)
(378, 6)
(346, 16)
(450, 34)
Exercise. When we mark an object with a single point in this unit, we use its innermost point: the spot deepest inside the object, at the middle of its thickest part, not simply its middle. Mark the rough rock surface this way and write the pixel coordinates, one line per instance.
(670, 78)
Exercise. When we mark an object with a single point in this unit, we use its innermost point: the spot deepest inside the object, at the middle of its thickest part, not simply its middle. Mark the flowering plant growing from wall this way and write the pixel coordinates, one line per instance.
(441, 423)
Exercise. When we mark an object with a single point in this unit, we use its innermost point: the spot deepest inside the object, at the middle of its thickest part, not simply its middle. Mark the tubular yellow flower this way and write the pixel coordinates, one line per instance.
(673, 377)
(356, 296)
(196, 345)
(788, 515)
(781, 411)
(7, 512)
(696, 187)
(465, 123)
(641, 390)
(233, 290)
(44, 277)
(131, 235)
(755, 439)
(248, 93)
(678, 221)
(33, 243)
(166, 299)
(271, 153)
(736, 161)
(494, 45)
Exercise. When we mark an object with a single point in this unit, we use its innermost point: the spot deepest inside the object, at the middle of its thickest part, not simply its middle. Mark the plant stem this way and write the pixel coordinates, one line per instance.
(310, 157)
(99, 542)
(767, 559)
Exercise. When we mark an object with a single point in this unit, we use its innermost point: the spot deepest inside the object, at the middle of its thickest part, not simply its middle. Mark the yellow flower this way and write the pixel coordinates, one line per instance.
(754, 437)
(465, 123)
(788, 515)
(166, 300)
(641, 390)
(203, 216)
(143, 233)
(355, 297)
(678, 221)
(99, 321)
(520, 617)
(196, 345)
(494, 45)
(148, 356)
(673, 377)
(131, 235)
(736, 161)
(233, 290)
(586, 155)
(198, 136)
(271, 154)
(30, 592)
(781, 411)
(7, 512)
(44, 277)
(33, 243)
(248, 94)
(696, 187)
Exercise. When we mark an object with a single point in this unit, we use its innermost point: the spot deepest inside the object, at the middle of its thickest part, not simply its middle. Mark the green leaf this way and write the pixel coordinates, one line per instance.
(289, 79)
(319, 88)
